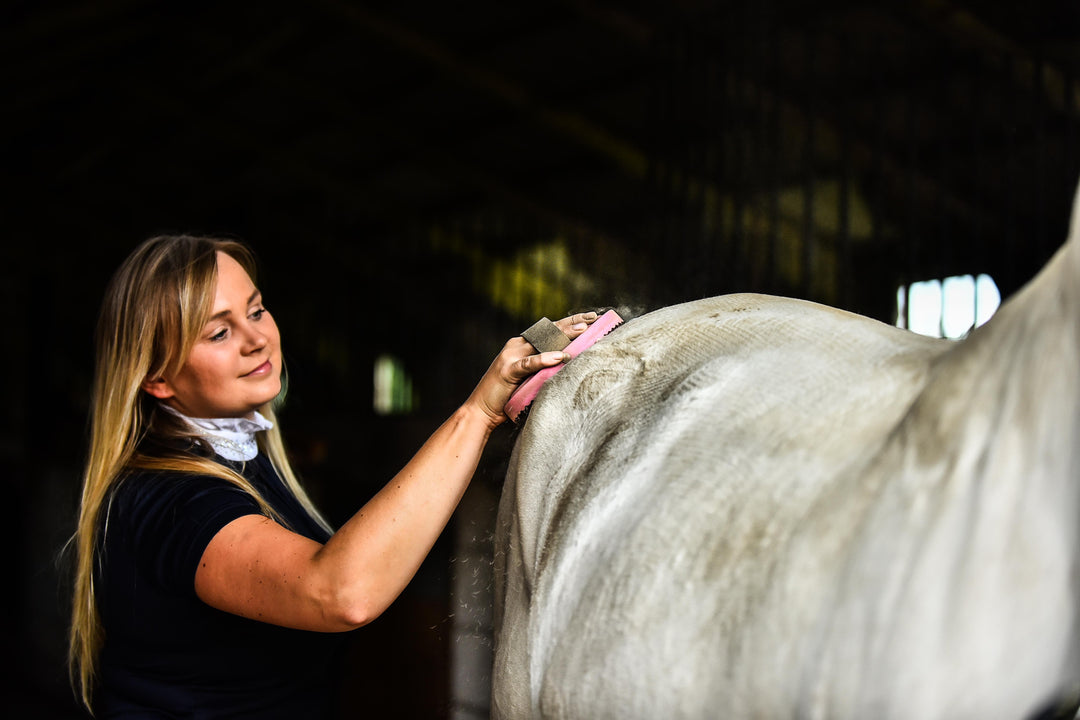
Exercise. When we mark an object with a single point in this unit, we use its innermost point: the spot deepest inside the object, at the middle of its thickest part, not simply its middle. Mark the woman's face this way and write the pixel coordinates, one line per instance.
(235, 365)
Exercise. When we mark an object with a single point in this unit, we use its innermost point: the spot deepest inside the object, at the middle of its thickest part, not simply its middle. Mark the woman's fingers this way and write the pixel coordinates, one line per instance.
(517, 361)
(530, 361)
(530, 364)
(574, 325)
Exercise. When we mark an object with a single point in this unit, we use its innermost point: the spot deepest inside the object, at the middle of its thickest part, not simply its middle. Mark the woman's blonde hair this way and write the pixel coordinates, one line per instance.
(154, 309)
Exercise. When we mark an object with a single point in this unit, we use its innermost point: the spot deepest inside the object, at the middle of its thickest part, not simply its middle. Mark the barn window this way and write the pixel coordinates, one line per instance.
(394, 394)
(947, 308)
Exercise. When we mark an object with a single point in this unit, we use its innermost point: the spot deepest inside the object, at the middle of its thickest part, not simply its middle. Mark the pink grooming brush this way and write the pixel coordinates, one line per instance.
(526, 392)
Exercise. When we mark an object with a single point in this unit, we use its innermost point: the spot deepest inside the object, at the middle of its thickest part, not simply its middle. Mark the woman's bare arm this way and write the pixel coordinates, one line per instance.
(256, 568)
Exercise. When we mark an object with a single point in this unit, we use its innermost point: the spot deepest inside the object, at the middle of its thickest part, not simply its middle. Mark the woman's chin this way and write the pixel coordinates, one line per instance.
(270, 396)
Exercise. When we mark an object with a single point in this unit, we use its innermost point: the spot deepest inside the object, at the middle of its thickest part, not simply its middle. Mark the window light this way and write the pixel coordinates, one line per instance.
(947, 308)
(393, 392)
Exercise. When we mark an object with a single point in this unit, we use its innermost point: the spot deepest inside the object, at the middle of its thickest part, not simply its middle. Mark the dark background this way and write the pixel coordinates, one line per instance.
(425, 179)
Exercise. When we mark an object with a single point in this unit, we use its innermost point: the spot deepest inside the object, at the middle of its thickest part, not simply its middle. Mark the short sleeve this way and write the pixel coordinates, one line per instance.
(168, 520)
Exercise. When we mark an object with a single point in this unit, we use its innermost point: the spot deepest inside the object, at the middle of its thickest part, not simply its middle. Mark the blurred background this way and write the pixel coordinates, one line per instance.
(422, 180)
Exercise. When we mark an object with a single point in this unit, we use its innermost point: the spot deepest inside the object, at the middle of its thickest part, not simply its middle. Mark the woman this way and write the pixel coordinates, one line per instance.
(207, 584)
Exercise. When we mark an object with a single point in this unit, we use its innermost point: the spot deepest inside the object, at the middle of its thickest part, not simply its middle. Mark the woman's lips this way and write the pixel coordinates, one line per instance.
(261, 370)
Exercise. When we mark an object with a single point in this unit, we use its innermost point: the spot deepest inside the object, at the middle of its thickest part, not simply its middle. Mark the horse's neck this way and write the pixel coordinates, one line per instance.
(1014, 387)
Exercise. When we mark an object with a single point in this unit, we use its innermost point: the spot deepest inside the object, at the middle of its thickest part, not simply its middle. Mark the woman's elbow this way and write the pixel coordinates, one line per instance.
(355, 617)
(348, 612)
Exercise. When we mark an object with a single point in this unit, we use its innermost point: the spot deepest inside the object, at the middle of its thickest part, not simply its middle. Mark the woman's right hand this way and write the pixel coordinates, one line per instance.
(517, 361)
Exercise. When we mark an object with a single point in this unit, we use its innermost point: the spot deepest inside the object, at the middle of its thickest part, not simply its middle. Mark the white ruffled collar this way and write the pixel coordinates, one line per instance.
(231, 438)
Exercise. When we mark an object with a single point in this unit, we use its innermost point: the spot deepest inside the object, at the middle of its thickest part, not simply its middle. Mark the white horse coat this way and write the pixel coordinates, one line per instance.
(757, 507)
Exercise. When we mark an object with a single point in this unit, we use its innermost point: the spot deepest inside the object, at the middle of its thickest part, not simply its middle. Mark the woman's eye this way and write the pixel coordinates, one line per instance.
(257, 315)
(219, 335)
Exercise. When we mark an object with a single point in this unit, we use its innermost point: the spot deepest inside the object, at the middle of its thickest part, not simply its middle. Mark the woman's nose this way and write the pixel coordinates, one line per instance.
(255, 339)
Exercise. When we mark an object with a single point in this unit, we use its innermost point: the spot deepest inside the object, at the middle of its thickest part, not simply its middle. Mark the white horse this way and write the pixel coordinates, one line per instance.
(757, 507)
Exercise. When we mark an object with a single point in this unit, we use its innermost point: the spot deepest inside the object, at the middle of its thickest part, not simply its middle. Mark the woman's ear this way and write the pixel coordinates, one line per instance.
(157, 387)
